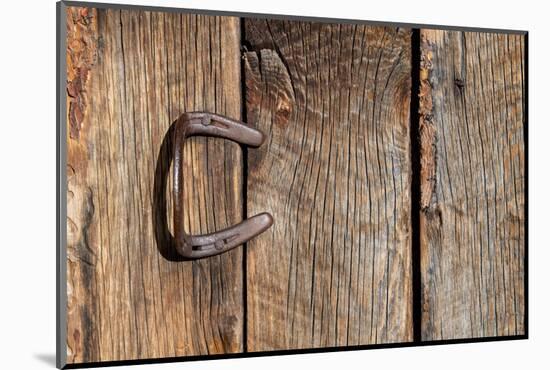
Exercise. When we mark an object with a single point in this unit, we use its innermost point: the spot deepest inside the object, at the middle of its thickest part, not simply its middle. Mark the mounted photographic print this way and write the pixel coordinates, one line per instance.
(237, 185)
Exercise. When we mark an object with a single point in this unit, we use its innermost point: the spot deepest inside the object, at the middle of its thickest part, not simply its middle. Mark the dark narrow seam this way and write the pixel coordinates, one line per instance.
(415, 186)
(244, 187)
(525, 85)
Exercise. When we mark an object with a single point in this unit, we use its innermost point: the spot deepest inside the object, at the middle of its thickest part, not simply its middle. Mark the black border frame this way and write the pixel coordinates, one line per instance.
(61, 190)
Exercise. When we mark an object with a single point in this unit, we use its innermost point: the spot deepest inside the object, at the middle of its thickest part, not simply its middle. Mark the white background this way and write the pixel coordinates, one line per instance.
(27, 182)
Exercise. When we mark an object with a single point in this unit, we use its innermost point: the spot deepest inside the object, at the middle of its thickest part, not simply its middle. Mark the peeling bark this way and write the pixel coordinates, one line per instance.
(81, 56)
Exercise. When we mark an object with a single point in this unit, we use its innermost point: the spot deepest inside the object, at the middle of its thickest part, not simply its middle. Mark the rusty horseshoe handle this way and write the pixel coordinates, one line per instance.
(209, 124)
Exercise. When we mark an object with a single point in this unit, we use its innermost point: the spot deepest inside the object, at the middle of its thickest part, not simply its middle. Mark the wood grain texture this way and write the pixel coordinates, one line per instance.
(130, 75)
(334, 100)
(472, 218)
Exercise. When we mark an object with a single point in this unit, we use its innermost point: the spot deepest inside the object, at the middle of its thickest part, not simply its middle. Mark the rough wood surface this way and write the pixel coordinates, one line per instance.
(130, 75)
(472, 218)
(334, 270)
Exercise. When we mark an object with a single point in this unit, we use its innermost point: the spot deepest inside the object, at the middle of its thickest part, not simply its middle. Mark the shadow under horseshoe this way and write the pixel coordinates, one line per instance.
(164, 239)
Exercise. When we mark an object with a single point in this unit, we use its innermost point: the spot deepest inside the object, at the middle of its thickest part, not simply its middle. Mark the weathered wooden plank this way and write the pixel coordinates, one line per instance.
(130, 75)
(335, 268)
(472, 217)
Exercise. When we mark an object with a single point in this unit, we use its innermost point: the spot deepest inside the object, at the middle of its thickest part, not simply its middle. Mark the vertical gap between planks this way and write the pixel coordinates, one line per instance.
(245, 188)
(526, 186)
(415, 186)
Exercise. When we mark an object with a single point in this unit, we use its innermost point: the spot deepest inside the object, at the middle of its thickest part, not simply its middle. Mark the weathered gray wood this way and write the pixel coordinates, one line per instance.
(472, 217)
(130, 75)
(335, 268)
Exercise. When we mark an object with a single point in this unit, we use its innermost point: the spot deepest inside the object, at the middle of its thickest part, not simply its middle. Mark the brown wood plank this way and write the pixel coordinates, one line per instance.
(130, 75)
(335, 268)
(472, 217)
